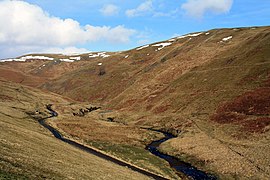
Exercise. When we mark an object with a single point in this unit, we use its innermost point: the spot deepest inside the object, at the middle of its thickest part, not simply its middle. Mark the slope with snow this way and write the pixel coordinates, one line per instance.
(99, 54)
(163, 45)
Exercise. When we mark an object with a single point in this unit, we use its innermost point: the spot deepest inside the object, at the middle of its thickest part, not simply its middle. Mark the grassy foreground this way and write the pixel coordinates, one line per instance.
(28, 151)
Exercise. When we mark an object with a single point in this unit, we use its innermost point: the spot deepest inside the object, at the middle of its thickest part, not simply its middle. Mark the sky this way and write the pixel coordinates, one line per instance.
(68, 26)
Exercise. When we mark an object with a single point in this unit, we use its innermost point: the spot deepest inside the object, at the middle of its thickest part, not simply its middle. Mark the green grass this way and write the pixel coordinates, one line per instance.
(137, 156)
(12, 176)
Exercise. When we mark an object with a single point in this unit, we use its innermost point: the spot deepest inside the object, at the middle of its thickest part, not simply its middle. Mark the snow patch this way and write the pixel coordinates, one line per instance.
(10, 60)
(66, 60)
(172, 40)
(75, 58)
(189, 35)
(37, 57)
(194, 35)
(24, 58)
(227, 38)
(142, 47)
(207, 33)
(100, 54)
(163, 45)
(105, 55)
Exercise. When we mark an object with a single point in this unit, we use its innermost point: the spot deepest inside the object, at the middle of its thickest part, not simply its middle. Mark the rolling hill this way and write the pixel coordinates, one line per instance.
(210, 89)
(29, 151)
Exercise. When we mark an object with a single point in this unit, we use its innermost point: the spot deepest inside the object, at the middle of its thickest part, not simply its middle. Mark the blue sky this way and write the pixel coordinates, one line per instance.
(113, 25)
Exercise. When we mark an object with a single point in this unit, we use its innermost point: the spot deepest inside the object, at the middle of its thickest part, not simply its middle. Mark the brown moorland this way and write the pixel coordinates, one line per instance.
(29, 151)
(210, 91)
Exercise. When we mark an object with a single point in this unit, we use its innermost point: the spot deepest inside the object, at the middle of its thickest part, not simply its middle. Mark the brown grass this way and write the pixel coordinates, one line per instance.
(123, 141)
(28, 151)
(178, 89)
(256, 125)
(241, 109)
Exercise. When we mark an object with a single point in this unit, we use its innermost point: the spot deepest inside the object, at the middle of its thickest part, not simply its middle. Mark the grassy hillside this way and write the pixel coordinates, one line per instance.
(28, 151)
(211, 89)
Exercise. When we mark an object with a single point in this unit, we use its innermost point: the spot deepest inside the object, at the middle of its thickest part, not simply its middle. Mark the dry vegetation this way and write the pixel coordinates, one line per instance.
(213, 94)
(28, 151)
(125, 142)
(250, 110)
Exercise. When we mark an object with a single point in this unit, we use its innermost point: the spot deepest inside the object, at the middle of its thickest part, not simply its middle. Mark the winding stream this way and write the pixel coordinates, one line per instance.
(180, 166)
(58, 135)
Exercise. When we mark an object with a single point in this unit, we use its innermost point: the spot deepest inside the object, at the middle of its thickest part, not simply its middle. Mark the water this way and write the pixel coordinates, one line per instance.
(180, 166)
(58, 135)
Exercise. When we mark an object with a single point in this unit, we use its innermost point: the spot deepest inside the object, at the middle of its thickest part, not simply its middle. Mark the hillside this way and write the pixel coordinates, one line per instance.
(211, 89)
(29, 151)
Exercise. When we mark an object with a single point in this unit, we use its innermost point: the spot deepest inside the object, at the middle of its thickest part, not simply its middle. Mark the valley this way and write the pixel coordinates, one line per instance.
(208, 90)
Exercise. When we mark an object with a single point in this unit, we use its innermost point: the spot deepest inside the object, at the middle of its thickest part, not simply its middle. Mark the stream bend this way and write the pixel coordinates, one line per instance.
(176, 164)
(58, 135)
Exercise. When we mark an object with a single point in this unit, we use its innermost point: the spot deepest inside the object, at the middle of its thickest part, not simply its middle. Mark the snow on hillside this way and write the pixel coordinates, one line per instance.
(100, 54)
(67, 60)
(142, 47)
(37, 57)
(227, 38)
(189, 35)
(10, 60)
(163, 45)
(171, 40)
(75, 58)
(24, 58)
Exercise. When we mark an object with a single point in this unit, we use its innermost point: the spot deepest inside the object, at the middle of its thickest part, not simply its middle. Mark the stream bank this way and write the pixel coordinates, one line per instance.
(179, 166)
(59, 136)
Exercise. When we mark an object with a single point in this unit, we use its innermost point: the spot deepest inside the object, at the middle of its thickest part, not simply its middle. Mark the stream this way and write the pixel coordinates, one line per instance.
(58, 135)
(180, 166)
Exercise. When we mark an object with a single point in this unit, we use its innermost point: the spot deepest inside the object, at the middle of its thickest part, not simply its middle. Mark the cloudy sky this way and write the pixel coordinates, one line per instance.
(69, 26)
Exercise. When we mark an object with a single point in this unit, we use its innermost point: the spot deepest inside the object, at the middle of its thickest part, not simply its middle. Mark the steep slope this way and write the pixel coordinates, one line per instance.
(145, 73)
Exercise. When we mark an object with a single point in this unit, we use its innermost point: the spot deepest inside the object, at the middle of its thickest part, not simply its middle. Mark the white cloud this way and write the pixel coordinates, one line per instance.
(118, 34)
(14, 51)
(197, 8)
(110, 10)
(27, 27)
(142, 9)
